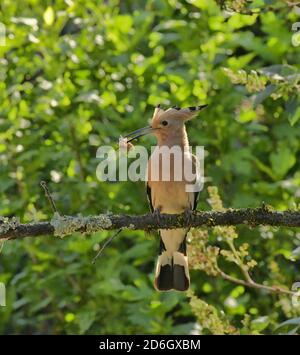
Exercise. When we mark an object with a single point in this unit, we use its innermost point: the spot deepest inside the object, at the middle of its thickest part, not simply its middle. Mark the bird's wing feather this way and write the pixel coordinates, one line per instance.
(196, 199)
(195, 163)
(184, 113)
(149, 198)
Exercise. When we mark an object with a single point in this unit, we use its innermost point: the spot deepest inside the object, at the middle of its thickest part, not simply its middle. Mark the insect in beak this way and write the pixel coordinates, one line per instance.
(139, 133)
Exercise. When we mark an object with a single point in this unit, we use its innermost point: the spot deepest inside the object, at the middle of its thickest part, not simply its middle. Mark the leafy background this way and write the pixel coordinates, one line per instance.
(77, 74)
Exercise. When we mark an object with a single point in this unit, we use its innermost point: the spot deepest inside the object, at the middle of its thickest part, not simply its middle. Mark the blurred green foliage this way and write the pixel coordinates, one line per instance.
(75, 75)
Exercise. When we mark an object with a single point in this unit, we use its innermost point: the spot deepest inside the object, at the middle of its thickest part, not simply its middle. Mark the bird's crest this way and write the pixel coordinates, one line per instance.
(185, 113)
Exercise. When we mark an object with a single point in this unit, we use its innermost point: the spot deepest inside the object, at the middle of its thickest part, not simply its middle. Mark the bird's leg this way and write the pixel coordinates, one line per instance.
(188, 215)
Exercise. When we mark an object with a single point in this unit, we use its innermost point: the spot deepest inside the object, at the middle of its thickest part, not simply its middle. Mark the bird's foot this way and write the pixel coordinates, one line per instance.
(188, 216)
(157, 214)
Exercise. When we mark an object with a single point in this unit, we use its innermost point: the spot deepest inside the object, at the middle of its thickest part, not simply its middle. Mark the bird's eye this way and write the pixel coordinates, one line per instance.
(164, 123)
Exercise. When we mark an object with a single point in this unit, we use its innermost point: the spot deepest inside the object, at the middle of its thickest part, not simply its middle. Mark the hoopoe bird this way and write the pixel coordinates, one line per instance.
(171, 196)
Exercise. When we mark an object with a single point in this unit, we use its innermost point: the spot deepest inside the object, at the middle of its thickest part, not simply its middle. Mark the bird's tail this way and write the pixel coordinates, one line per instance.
(172, 271)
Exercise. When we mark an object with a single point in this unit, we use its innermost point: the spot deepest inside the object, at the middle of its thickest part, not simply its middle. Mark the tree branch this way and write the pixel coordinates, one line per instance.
(66, 225)
(253, 284)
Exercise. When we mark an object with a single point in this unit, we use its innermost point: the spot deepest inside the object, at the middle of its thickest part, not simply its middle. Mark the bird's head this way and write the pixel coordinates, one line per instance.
(165, 122)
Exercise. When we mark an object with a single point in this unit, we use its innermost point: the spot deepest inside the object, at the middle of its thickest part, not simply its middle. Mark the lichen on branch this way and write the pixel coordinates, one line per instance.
(67, 225)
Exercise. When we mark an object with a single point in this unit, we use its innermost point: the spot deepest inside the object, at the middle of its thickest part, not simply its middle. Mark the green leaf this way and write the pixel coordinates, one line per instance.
(85, 320)
(260, 323)
(49, 16)
(282, 161)
(293, 321)
(263, 167)
(261, 96)
(293, 113)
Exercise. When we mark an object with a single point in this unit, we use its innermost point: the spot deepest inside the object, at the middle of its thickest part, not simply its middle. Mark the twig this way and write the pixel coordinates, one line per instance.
(109, 240)
(253, 284)
(48, 195)
(240, 264)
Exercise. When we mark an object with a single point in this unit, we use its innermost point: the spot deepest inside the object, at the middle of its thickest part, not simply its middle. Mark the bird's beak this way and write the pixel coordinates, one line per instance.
(139, 133)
